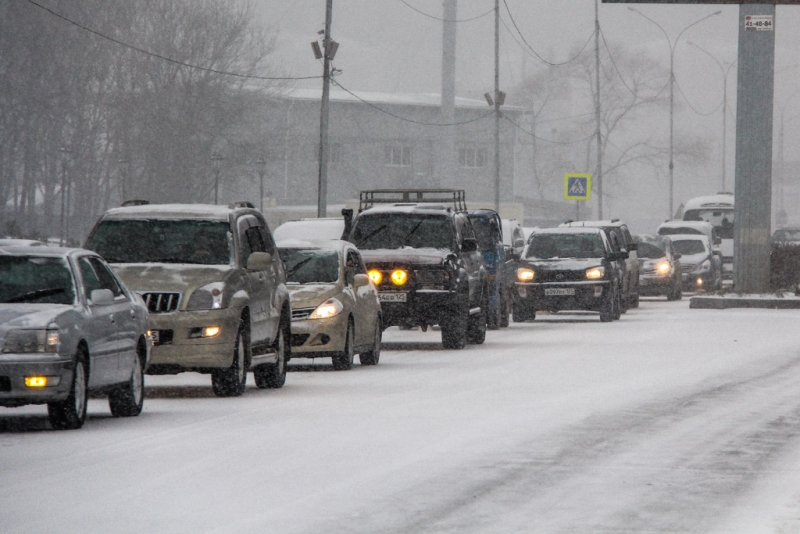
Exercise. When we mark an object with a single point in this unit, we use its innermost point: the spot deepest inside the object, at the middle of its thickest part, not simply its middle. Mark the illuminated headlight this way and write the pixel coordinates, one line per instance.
(595, 273)
(205, 331)
(36, 382)
(208, 297)
(699, 282)
(663, 268)
(705, 266)
(376, 276)
(525, 275)
(26, 341)
(399, 277)
(330, 308)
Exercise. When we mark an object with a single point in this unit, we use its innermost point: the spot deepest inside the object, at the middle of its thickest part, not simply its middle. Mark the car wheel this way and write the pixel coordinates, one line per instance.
(492, 316)
(231, 382)
(635, 300)
(618, 306)
(343, 361)
(607, 310)
(454, 328)
(273, 375)
(70, 413)
(372, 356)
(476, 325)
(127, 400)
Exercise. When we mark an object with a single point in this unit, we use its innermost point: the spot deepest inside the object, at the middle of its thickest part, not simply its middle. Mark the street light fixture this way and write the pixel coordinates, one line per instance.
(672, 45)
(216, 161)
(262, 167)
(724, 71)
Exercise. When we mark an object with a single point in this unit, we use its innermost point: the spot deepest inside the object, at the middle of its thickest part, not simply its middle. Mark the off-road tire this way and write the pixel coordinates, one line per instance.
(454, 327)
(273, 375)
(232, 381)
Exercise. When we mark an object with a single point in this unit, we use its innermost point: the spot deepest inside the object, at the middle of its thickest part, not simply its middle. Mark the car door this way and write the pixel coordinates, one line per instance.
(100, 331)
(365, 297)
(126, 334)
(473, 261)
(257, 284)
(274, 276)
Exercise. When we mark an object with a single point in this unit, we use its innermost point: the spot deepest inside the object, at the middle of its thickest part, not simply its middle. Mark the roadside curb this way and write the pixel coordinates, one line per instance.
(721, 303)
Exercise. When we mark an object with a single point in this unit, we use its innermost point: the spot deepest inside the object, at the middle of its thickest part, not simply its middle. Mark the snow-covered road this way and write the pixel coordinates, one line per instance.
(669, 420)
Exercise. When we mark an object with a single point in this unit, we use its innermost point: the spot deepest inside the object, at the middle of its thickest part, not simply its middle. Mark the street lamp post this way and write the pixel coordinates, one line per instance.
(724, 71)
(65, 200)
(262, 164)
(124, 164)
(216, 160)
(672, 45)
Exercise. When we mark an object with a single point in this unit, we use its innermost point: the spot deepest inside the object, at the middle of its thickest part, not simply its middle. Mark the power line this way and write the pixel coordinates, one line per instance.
(538, 56)
(440, 19)
(405, 119)
(581, 140)
(165, 58)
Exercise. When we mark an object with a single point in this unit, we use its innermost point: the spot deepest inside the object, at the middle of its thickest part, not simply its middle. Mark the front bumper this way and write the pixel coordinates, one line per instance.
(15, 367)
(655, 285)
(698, 281)
(175, 343)
(421, 307)
(585, 295)
(312, 338)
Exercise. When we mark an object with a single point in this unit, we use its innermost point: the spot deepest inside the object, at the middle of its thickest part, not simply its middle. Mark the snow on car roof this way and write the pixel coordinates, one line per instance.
(312, 229)
(170, 211)
(570, 230)
(407, 207)
(721, 200)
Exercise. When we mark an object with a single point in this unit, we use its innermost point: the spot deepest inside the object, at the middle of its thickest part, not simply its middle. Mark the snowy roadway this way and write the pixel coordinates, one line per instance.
(669, 420)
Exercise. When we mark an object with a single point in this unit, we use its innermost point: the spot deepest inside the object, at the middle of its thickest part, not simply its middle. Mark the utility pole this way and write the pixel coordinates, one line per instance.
(497, 102)
(322, 186)
(216, 161)
(448, 144)
(598, 175)
(65, 200)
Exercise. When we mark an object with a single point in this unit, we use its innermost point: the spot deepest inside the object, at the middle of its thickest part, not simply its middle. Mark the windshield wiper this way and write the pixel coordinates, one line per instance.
(297, 266)
(372, 234)
(39, 293)
(409, 234)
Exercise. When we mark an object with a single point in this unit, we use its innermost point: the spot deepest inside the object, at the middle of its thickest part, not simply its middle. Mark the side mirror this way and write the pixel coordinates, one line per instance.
(717, 240)
(259, 261)
(360, 280)
(101, 297)
(470, 244)
(633, 247)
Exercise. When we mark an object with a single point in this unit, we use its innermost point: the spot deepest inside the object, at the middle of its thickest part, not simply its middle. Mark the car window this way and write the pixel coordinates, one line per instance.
(107, 280)
(651, 251)
(689, 246)
(552, 246)
(486, 232)
(33, 279)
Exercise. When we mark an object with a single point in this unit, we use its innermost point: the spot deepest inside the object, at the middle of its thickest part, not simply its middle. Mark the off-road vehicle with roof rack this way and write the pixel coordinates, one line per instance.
(214, 285)
(421, 252)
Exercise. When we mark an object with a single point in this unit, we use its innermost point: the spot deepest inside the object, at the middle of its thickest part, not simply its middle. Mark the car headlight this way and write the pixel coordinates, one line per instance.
(399, 277)
(705, 266)
(26, 341)
(595, 273)
(525, 275)
(663, 268)
(207, 297)
(330, 308)
(376, 276)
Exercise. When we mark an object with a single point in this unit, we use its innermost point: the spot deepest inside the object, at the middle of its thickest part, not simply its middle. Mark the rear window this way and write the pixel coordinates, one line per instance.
(162, 241)
(551, 246)
(689, 246)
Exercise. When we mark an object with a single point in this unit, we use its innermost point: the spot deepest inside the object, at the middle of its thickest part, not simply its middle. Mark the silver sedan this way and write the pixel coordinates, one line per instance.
(69, 327)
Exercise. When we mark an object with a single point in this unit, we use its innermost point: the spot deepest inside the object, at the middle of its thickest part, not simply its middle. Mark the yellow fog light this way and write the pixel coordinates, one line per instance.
(211, 331)
(525, 275)
(399, 277)
(699, 281)
(663, 267)
(36, 381)
(376, 276)
(595, 273)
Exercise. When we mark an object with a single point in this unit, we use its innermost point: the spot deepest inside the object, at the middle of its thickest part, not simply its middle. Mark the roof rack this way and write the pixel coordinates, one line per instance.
(134, 202)
(371, 197)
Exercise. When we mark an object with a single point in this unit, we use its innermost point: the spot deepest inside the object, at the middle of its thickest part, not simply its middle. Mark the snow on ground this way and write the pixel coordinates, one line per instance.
(669, 420)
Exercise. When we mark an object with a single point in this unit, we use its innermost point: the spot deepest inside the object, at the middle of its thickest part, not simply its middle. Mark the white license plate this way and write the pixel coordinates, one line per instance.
(392, 297)
(559, 292)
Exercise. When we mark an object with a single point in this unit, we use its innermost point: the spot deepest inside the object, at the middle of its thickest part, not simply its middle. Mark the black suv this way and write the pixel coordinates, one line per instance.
(420, 251)
(569, 269)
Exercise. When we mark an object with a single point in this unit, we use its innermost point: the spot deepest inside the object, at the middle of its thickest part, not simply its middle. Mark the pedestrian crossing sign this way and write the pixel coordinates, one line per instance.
(577, 186)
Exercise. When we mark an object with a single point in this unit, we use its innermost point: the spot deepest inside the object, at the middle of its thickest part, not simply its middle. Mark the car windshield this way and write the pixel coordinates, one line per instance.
(651, 250)
(485, 232)
(549, 246)
(309, 266)
(35, 279)
(162, 241)
(688, 247)
(721, 219)
(397, 230)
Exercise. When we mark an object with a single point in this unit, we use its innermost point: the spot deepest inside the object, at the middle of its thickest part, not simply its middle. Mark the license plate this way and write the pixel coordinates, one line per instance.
(559, 292)
(392, 297)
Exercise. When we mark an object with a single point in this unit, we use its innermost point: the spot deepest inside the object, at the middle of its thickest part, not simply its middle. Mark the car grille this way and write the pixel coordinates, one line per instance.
(161, 302)
(5, 383)
(688, 267)
(300, 314)
(431, 278)
(560, 276)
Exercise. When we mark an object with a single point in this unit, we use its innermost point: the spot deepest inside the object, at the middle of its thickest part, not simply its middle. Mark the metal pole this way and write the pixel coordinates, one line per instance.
(322, 186)
(261, 163)
(497, 105)
(447, 163)
(598, 133)
(63, 200)
(216, 160)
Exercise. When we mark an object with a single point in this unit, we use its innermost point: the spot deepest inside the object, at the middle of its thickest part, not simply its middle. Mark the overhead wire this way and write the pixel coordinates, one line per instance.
(165, 58)
(440, 19)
